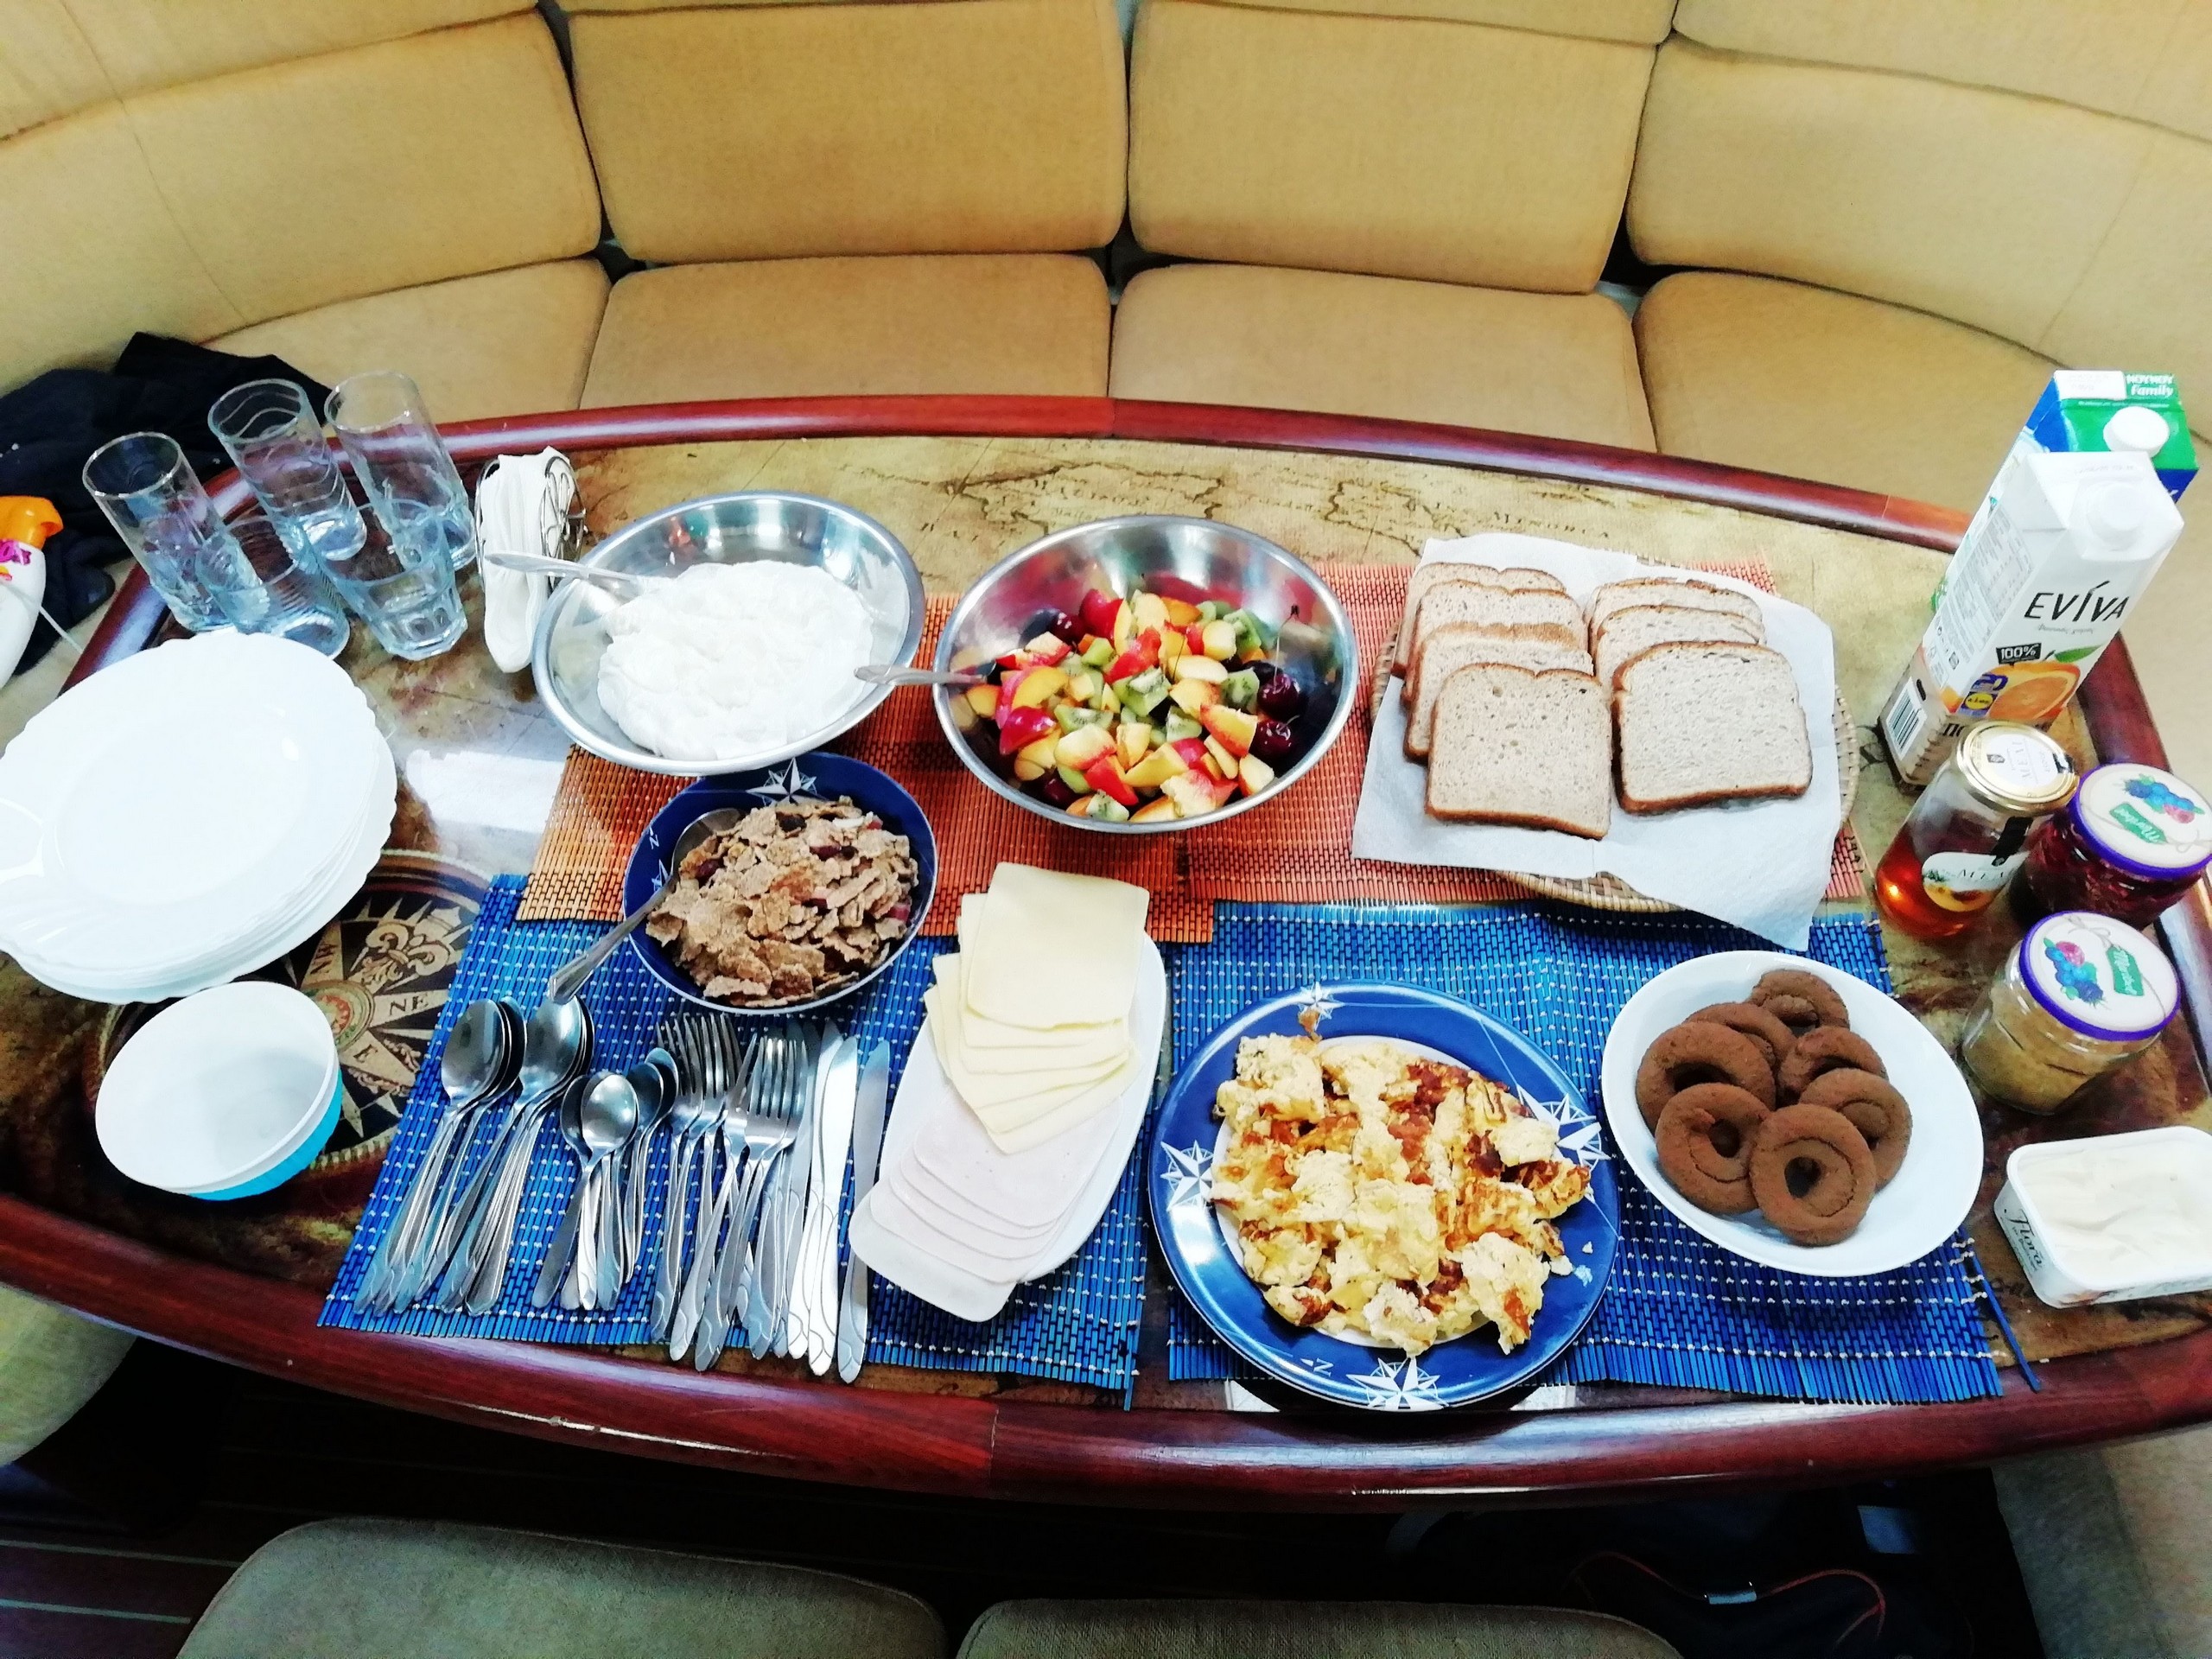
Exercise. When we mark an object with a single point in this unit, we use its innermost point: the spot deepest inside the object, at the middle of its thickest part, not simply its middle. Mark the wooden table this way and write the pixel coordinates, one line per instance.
(963, 480)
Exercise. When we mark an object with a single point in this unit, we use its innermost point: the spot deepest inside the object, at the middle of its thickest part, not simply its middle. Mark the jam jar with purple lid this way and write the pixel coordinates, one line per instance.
(2131, 842)
(2080, 995)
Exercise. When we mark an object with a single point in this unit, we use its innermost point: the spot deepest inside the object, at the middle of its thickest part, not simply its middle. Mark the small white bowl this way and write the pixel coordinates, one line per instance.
(1923, 1203)
(223, 1093)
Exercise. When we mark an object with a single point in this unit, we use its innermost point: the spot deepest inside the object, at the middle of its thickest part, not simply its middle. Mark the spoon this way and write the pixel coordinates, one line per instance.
(569, 1119)
(611, 1110)
(569, 978)
(656, 1096)
(620, 583)
(897, 674)
(479, 1051)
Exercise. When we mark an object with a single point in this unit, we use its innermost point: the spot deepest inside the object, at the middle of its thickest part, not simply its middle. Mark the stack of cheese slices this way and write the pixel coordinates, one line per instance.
(1023, 1093)
(1514, 691)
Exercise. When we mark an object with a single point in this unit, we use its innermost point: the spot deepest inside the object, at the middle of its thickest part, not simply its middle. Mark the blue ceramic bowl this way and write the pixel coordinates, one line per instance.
(305, 1153)
(820, 776)
(1183, 1145)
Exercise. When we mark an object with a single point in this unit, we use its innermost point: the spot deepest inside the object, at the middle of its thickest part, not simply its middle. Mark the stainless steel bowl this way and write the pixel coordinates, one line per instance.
(1183, 559)
(725, 529)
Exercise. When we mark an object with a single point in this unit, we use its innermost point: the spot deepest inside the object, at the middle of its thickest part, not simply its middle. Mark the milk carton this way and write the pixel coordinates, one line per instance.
(2087, 409)
(2042, 581)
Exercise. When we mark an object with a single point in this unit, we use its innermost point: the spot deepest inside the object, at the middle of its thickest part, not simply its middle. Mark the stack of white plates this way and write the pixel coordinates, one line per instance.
(187, 816)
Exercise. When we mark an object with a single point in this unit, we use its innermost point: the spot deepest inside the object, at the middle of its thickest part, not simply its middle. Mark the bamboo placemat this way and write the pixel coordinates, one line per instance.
(1295, 850)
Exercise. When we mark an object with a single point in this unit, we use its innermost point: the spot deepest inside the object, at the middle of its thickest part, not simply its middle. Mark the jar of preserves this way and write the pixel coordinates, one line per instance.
(2131, 840)
(1968, 830)
(2079, 995)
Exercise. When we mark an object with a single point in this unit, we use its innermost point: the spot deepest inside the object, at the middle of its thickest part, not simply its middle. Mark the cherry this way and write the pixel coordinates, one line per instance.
(1066, 627)
(1281, 697)
(1274, 741)
(1055, 789)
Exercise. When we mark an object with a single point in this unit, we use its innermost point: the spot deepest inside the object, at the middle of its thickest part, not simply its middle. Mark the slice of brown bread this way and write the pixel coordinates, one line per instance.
(1494, 607)
(1514, 747)
(1425, 576)
(1700, 723)
(1567, 638)
(1537, 646)
(1669, 590)
(1630, 632)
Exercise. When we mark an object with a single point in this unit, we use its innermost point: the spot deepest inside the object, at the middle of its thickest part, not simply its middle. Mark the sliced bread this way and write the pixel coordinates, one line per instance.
(1669, 590)
(1443, 570)
(1514, 747)
(1630, 632)
(1537, 646)
(1703, 723)
(1494, 607)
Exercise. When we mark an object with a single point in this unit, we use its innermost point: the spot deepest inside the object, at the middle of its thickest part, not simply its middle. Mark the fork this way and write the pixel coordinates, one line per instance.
(737, 1135)
(684, 1127)
(709, 1057)
(770, 1131)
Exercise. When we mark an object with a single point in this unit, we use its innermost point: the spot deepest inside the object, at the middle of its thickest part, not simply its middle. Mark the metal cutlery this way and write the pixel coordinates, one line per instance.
(569, 979)
(769, 1129)
(610, 1113)
(868, 1146)
(692, 1116)
(810, 1327)
(569, 1117)
(778, 1248)
(710, 1050)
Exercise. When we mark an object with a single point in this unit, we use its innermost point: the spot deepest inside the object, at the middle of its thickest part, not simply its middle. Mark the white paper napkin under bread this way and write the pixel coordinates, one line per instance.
(1763, 865)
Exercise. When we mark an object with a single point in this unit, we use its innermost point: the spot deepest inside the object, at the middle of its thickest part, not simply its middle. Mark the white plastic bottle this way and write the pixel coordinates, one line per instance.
(25, 523)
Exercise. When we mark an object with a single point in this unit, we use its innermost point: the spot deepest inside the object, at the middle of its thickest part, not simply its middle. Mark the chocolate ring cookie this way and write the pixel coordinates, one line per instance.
(1812, 1173)
(1704, 1146)
(1801, 1000)
(1873, 1107)
(1695, 1052)
(1754, 1022)
(1828, 1049)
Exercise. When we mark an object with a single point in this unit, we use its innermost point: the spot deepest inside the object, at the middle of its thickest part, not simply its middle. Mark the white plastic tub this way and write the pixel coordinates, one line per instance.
(2064, 1267)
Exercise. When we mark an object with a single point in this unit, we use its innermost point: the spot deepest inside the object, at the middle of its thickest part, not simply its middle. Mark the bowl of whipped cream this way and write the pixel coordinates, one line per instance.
(735, 646)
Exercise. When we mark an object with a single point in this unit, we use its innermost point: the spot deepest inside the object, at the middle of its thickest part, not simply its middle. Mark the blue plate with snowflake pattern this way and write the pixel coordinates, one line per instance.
(1469, 1368)
(820, 776)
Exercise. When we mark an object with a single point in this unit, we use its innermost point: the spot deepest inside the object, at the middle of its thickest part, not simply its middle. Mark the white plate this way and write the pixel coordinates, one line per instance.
(923, 1090)
(1917, 1212)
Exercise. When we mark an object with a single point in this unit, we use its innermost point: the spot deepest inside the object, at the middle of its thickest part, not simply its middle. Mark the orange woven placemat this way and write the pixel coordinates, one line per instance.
(1295, 850)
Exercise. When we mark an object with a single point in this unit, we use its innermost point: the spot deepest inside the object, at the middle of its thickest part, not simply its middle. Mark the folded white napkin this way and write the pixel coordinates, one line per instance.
(522, 506)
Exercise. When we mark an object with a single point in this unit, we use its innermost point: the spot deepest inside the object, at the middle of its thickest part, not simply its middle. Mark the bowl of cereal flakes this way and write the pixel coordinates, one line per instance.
(820, 885)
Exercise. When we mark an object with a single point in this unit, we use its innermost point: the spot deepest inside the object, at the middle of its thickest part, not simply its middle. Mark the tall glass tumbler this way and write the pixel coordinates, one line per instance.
(147, 489)
(402, 462)
(273, 586)
(402, 585)
(271, 430)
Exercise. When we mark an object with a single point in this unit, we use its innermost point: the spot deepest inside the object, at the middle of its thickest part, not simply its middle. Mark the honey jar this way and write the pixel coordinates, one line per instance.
(1968, 831)
(2131, 840)
(2079, 995)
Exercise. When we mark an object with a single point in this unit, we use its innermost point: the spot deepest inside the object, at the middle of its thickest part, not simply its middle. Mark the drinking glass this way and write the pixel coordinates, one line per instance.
(402, 462)
(272, 587)
(269, 428)
(146, 487)
(401, 583)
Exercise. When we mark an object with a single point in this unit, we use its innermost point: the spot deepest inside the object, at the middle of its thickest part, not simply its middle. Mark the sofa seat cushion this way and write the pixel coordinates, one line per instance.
(51, 1360)
(1555, 365)
(402, 1590)
(513, 342)
(1034, 324)
(1750, 371)
(1298, 1630)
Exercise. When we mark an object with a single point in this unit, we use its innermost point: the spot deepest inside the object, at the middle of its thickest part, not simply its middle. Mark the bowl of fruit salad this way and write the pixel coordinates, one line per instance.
(1141, 674)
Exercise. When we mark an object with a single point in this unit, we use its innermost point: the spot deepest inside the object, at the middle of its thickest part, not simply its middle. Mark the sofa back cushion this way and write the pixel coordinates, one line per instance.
(1350, 135)
(192, 166)
(936, 126)
(2039, 170)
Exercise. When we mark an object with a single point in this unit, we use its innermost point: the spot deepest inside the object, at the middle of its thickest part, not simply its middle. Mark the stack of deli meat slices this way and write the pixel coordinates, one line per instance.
(1525, 706)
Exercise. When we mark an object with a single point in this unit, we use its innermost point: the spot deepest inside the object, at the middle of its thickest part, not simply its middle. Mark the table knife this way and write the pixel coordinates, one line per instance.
(816, 1309)
(868, 1143)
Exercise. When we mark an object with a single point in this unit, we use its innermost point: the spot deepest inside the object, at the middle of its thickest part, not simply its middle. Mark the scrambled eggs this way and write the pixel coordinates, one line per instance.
(1380, 1193)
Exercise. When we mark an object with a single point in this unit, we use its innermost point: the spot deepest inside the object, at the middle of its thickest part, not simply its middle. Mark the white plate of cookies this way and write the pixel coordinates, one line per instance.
(1792, 1114)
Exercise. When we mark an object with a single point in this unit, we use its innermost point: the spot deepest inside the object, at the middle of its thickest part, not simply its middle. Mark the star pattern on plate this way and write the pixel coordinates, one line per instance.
(1581, 1137)
(1318, 1002)
(1189, 1174)
(789, 785)
(1403, 1386)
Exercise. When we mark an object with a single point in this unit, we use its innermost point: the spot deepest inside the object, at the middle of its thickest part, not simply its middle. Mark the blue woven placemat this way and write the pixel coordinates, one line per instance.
(1679, 1310)
(1079, 1324)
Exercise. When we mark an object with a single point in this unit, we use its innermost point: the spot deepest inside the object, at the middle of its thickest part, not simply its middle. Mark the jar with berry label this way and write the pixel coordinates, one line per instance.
(2131, 842)
(2081, 994)
(1968, 831)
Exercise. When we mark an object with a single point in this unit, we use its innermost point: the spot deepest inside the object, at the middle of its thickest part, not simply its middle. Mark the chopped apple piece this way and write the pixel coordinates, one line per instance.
(1255, 774)
(1155, 812)
(1046, 648)
(1078, 748)
(1193, 749)
(1201, 668)
(1157, 768)
(1233, 727)
(1125, 625)
(1131, 742)
(1104, 775)
(1224, 763)
(1180, 612)
(1194, 793)
(1020, 728)
(1172, 649)
(1220, 640)
(1037, 685)
(1097, 611)
(1151, 611)
(1035, 759)
(1193, 698)
(984, 700)
(1080, 807)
